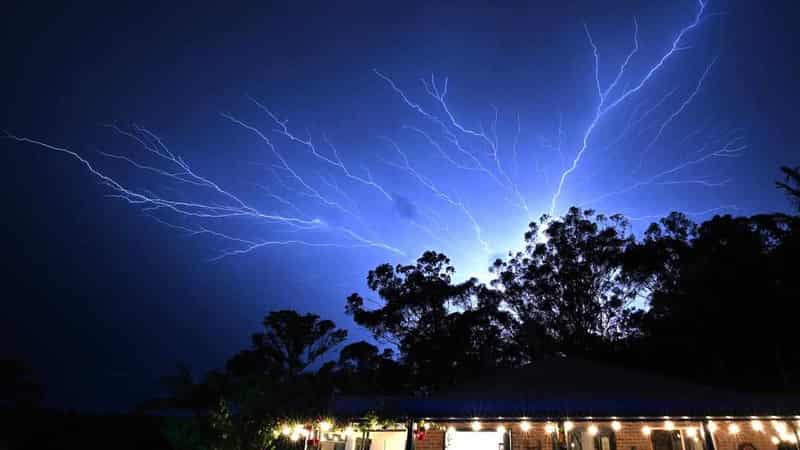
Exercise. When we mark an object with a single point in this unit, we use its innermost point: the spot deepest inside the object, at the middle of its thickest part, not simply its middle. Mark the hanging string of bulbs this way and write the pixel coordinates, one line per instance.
(324, 429)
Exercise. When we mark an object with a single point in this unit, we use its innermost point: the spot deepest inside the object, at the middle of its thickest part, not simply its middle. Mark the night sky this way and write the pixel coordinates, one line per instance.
(102, 296)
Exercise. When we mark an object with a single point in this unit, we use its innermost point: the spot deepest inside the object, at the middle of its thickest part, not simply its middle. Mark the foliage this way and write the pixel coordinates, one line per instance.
(730, 285)
(791, 184)
(240, 406)
(715, 302)
(289, 344)
(567, 288)
(442, 329)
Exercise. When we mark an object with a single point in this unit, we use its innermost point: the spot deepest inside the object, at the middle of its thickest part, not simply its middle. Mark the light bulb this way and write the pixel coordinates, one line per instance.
(525, 426)
(616, 426)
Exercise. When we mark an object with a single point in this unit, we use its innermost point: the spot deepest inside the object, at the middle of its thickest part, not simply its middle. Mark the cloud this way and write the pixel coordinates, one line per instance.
(404, 206)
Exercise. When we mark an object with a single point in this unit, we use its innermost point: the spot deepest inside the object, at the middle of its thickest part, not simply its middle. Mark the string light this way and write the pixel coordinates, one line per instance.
(426, 425)
(550, 428)
(525, 426)
(691, 432)
(646, 430)
(616, 426)
(294, 437)
(476, 425)
(757, 425)
(669, 425)
(733, 428)
(286, 430)
(780, 427)
(325, 426)
(501, 429)
(592, 430)
(712, 427)
(568, 426)
(775, 440)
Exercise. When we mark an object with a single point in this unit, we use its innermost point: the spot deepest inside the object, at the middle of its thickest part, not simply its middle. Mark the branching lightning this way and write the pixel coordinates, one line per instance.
(317, 195)
(604, 106)
(406, 166)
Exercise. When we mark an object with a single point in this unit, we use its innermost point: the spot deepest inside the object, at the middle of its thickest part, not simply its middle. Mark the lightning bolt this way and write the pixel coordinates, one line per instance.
(428, 184)
(296, 200)
(450, 129)
(688, 214)
(335, 161)
(234, 208)
(732, 149)
(605, 105)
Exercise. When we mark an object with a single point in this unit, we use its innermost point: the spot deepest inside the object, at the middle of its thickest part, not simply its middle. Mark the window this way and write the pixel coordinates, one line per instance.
(583, 440)
(666, 440)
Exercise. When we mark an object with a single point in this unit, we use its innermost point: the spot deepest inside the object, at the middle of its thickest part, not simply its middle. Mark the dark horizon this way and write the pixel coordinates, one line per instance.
(103, 300)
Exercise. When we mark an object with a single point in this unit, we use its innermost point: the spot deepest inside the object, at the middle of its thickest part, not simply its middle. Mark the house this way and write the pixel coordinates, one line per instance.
(565, 404)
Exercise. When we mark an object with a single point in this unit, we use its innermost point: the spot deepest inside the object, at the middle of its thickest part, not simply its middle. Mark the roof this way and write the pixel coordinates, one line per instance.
(571, 387)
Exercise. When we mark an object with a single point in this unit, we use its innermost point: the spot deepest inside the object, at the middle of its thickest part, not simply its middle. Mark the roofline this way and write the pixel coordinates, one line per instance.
(593, 418)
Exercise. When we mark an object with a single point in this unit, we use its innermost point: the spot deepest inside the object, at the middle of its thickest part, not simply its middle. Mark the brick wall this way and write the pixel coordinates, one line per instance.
(629, 437)
(434, 440)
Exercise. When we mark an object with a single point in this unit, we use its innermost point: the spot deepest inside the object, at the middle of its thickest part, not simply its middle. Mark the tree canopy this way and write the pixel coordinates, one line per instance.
(714, 302)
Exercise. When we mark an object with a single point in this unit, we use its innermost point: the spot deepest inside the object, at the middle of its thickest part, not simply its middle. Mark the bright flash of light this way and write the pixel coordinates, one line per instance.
(297, 206)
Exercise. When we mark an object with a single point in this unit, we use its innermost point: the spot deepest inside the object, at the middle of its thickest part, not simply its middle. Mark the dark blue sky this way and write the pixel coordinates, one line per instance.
(101, 299)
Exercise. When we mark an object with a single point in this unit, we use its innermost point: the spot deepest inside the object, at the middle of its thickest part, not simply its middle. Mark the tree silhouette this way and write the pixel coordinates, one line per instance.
(290, 343)
(567, 288)
(364, 369)
(443, 329)
(791, 184)
(723, 296)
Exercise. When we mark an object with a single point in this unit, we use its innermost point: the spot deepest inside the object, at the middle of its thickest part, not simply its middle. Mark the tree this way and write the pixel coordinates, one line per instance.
(239, 407)
(567, 287)
(363, 369)
(273, 377)
(292, 342)
(723, 298)
(791, 184)
(443, 330)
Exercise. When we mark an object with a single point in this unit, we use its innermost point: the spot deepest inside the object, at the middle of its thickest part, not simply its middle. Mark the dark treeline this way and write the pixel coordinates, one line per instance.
(717, 303)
